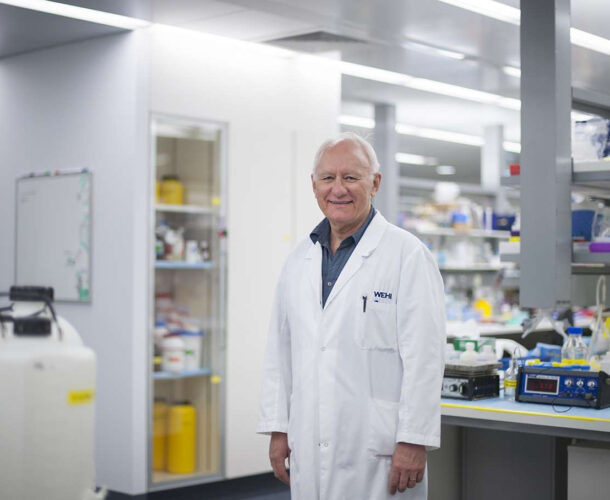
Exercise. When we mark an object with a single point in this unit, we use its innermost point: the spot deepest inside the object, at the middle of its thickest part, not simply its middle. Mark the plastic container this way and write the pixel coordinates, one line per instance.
(574, 348)
(47, 389)
(192, 348)
(172, 349)
(181, 439)
(172, 190)
(469, 355)
(159, 434)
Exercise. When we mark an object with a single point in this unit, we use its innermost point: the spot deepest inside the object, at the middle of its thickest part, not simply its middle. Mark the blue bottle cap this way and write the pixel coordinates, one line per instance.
(574, 330)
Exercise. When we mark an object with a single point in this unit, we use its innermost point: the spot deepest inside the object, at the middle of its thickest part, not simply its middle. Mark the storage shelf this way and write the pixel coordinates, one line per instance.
(475, 268)
(470, 233)
(168, 264)
(202, 372)
(590, 175)
(583, 262)
(186, 209)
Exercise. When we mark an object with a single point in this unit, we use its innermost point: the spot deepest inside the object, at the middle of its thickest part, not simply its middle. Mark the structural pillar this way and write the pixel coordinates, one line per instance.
(386, 147)
(546, 169)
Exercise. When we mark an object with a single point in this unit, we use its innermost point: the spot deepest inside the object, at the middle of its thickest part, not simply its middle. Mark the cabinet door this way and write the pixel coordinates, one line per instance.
(187, 302)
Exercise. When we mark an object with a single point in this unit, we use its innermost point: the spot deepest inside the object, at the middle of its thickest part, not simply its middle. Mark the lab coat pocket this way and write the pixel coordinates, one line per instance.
(378, 327)
(383, 420)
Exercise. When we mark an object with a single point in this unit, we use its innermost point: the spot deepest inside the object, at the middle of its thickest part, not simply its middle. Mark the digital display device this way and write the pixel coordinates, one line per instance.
(542, 385)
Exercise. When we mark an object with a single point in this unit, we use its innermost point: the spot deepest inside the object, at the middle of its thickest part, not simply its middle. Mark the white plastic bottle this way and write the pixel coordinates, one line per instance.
(574, 348)
(172, 348)
(469, 355)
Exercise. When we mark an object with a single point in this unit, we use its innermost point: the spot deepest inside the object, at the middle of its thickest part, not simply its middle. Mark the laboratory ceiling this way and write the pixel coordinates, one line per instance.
(408, 36)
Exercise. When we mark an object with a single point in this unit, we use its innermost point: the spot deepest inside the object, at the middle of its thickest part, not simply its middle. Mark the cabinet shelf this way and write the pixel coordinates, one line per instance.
(186, 209)
(470, 233)
(591, 176)
(474, 268)
(202, 372)
(168, 264)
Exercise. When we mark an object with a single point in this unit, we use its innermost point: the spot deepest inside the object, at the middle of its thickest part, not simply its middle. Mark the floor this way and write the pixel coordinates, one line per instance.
(260, 487)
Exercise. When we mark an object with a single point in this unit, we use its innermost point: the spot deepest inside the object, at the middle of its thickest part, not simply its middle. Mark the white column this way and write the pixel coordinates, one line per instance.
(492, 156)
(386, 145)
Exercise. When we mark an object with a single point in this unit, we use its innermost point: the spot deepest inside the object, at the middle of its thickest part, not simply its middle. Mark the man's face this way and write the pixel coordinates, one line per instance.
(343, 185)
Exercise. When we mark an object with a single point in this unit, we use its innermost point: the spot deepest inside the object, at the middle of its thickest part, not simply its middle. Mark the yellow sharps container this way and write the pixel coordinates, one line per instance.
(172, 190)
(181, 439)
(159, 434)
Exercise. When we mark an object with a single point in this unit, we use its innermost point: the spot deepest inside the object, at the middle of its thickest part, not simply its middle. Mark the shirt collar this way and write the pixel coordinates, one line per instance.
(321, 233)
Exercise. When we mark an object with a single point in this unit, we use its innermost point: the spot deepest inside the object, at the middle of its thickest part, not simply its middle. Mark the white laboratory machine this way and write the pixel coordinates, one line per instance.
(47, 391)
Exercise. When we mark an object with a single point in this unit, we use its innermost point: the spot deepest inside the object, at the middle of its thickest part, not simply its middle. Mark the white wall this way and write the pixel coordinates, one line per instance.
(85, 105)
(278, 111)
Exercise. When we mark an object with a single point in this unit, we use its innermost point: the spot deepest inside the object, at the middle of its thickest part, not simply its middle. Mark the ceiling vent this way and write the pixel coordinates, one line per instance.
(317, 37)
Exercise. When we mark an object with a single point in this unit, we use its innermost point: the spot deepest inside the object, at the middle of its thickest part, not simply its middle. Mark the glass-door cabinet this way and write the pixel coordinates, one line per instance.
(187, 302)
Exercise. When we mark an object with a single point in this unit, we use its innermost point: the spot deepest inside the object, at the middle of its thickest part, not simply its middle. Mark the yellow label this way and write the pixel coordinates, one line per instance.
(216, 201)
(215, 379)
(80, 397)
(510, 383)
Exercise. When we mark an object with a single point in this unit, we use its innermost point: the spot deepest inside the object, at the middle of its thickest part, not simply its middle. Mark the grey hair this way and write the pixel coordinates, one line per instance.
(366, 147)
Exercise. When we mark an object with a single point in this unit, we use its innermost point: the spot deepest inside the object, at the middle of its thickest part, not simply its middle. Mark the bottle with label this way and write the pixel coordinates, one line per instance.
(510, 379)
(574, 348)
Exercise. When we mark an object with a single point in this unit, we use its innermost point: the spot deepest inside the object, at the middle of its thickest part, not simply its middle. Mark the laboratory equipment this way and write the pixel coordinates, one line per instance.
(47, 385)
(574, 348)
(563, 386)
(470, 380)
(172, 349)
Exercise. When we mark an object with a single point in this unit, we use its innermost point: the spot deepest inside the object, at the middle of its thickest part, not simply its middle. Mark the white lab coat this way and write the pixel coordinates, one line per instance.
(347, 382)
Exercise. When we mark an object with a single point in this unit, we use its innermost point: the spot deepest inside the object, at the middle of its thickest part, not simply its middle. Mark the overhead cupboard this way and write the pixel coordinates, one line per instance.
(187, 302)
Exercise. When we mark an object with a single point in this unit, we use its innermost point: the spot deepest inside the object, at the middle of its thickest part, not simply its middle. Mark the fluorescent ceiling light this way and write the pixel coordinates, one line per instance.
(429, 49)
(512, 71)
(394, 78)
(74, 12)
(411, 159)
(451, 54)
(512, 15)
(445, 170)
(590, 41)
(426, 133)
(489, 8)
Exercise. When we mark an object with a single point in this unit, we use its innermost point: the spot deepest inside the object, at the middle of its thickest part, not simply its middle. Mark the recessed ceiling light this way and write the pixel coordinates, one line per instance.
(445, 170)
(82, 13)
(512, 15)
(411, 159)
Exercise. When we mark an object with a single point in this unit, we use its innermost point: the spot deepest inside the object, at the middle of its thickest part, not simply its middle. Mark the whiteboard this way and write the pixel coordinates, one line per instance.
(53, 233)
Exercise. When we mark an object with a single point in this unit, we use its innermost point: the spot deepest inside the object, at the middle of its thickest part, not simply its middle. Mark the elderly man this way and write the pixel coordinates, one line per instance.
(354, 361)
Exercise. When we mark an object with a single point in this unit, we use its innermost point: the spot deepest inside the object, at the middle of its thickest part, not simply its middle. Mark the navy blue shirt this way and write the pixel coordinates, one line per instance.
(332, 265)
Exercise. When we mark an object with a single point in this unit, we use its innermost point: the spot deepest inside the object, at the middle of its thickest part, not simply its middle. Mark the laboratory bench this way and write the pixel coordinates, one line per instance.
(502, 449)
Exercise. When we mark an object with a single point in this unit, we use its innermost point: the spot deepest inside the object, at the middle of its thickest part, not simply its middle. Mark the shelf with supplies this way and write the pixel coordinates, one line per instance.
(583, 262)
(474, 268)
(451, 232)
(187, 309)
(202, 372)
(168, 264)
(592, 177)
(186, 209)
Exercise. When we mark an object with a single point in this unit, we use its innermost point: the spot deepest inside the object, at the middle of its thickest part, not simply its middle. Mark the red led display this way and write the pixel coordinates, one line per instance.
(546, 385)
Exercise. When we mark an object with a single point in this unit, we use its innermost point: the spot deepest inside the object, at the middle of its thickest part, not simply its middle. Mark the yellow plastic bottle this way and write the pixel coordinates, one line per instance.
(172, 190)
(159, 434)
(181, 439)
